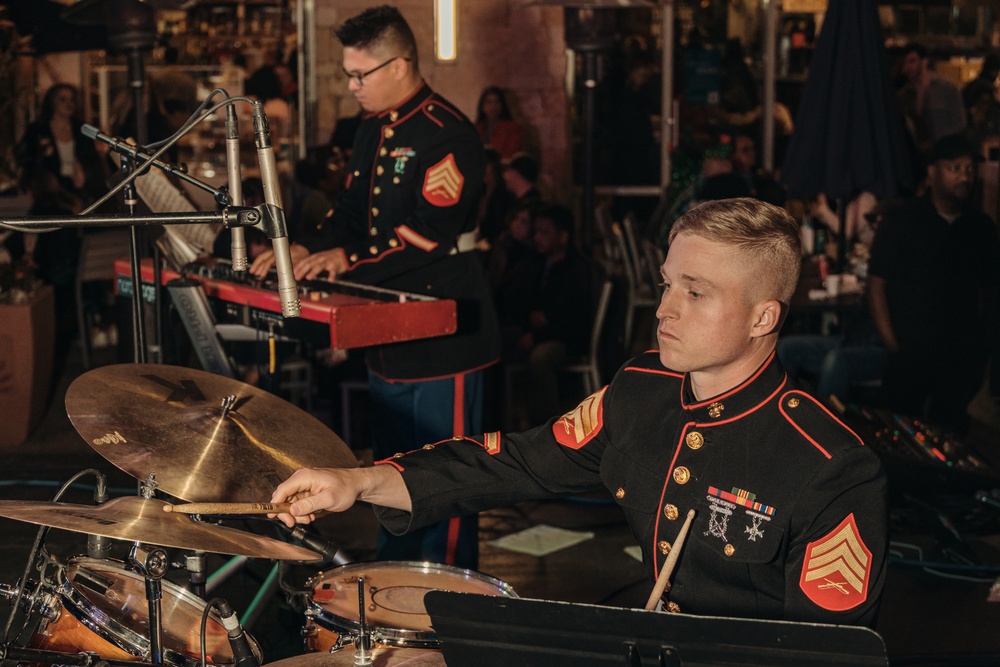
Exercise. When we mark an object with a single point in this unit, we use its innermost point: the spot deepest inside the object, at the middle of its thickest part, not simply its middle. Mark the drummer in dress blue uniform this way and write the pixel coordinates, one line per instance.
(407, 222)
(790, 506)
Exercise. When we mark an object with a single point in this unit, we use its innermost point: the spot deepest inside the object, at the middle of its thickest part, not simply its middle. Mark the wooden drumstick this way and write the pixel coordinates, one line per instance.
(228, 508)
(668, 566)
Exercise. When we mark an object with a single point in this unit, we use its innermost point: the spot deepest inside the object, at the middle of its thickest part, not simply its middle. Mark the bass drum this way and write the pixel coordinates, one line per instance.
(394, 602)
(100, 606)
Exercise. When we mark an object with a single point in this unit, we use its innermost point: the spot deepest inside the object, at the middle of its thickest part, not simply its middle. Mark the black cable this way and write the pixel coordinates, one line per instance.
(36, 547)
(214, 602)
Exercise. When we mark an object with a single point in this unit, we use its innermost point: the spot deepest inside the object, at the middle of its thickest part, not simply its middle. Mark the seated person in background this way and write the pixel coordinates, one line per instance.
(855, 354)
(554, 301)
(495, 203)
(521, 178)
(710, 422)
(496, 125)
(760, 182)
(514, 247)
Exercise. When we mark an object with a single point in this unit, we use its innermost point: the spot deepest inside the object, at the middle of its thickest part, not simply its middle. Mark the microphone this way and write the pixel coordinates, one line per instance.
(243, 655)
(310, 541)
(239, 244)
(98, 546)
(288, 291)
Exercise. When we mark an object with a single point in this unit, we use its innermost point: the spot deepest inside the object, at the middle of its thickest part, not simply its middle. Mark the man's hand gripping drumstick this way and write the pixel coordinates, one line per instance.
(313, 492)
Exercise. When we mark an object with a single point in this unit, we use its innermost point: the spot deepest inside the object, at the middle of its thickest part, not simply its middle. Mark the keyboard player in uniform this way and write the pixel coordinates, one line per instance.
(406, 222)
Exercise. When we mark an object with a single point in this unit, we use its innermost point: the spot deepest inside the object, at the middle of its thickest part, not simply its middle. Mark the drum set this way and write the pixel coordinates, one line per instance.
(180, 432)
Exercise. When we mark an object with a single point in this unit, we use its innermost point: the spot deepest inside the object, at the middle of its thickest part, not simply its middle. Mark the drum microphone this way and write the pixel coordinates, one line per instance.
(239, 244)
(287, 289)
(98, 546)
(243, 655)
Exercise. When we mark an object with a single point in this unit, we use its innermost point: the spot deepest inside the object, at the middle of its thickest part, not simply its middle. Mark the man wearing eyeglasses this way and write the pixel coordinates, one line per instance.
(933, 276)
(406, 222)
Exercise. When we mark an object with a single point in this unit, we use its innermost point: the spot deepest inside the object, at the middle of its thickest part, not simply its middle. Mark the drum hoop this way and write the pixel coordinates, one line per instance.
(396, 637)
(109, 629)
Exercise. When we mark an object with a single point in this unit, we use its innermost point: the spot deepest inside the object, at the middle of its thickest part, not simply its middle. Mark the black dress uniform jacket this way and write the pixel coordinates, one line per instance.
(415, 174)
(790, 505)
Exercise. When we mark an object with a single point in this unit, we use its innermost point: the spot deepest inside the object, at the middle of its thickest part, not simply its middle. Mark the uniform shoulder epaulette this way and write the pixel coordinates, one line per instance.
(810, 417)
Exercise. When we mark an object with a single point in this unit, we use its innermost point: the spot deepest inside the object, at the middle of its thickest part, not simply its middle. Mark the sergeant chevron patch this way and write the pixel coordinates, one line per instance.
(836, 568)
(443, 182)
(577, 427)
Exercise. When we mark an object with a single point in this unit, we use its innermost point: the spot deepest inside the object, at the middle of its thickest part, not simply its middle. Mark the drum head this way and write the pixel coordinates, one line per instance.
(394, 598)
(111, 601)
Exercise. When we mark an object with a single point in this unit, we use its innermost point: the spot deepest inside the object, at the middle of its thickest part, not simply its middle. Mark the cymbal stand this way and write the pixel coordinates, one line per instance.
(363, 644)
(195, 563)
(152, 564)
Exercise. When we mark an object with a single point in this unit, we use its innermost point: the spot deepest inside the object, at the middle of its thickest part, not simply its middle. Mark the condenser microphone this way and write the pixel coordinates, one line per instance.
(243, 655)
(288, 291)
(98, 546)
(239, 244)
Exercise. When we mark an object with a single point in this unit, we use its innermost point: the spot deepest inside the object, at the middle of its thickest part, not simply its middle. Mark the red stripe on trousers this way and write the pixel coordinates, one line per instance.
(458, 426)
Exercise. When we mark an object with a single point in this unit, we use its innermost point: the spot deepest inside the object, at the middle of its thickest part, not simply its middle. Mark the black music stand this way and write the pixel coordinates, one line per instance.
(484, 630)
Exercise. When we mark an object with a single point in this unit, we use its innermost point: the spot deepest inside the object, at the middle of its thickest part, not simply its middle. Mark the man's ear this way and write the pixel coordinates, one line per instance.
(769, 315)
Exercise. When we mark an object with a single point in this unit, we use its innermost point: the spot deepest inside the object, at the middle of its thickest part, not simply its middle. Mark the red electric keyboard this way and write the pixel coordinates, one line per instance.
(342, 314)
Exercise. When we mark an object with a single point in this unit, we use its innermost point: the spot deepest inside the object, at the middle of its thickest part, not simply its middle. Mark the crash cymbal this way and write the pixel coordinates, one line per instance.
(207, 437)
(143, 520)
(382, 656)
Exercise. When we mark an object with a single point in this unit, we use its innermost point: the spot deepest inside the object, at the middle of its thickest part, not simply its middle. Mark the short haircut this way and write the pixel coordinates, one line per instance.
(766, 236)
(560, 216)
(381, 30)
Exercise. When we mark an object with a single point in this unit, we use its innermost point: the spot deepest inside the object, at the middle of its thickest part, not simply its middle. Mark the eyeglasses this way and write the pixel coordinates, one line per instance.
(360, 78)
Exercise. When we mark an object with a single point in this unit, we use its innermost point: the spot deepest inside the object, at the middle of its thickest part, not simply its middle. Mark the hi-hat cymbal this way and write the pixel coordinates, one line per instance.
(382, 656)
(175, 422)
(143, 520)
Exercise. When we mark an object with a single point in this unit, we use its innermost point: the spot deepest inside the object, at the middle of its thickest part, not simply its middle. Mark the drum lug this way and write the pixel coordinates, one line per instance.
(49, 607)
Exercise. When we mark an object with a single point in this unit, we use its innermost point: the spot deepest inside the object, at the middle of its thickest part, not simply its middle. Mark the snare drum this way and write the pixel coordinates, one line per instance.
(100, 606)
(394, 602)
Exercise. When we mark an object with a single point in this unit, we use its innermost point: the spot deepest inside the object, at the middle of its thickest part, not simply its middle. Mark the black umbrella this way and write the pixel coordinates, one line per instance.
(849, 135)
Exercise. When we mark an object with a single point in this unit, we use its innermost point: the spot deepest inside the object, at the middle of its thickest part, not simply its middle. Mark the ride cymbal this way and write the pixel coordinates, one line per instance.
(143, 520)
(382, 656)
(207, 437)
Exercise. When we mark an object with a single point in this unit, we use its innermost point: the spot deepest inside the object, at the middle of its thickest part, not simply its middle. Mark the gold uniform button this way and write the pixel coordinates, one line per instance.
(430, 107)
(397, 455)
(374, 211)
(353, 258)
(373, 231)
(428, 446)
(393, 243)
(682, 475)
(620, 493)
(694, 440)
(356, 173)
(457, 437)
(383, 151)
(715, 410)
(373, 250)
(793, 402)
(389, 133)
(380, 170)
(395, 179)
(376, 190)
(671, 512)
(729, 550)
(673, 607)
(664, 547)
(393, 116)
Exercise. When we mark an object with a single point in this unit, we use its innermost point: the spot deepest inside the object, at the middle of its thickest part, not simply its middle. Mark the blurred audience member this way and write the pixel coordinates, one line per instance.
(317, 183)
(932, 288)
(932, 105)
(495, 202)
(521, 178)
(55, 144)
(760, 182)
(174, 91)
(558, 309)
(985, 82)
(495, 124)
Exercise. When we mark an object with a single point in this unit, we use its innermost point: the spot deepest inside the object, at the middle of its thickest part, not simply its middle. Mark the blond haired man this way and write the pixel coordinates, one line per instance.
(790, 505)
